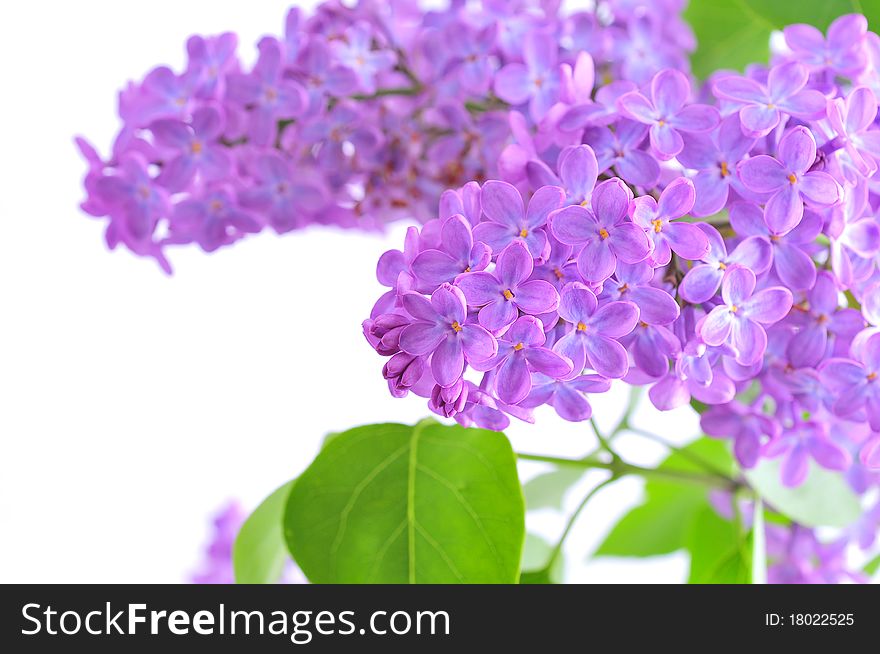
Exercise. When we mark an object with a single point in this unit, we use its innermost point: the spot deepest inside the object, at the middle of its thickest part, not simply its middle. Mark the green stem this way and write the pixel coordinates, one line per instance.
(381, 93)
(621, 468)
(557, 549)
(604, 442)
(686, 454)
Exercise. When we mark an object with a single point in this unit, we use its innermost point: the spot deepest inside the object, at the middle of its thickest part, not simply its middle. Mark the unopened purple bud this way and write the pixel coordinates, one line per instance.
(384, 332)
(448, 402)
(402, 372)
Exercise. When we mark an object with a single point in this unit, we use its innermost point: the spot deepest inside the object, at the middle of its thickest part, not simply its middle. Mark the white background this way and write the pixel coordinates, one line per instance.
(133, 405)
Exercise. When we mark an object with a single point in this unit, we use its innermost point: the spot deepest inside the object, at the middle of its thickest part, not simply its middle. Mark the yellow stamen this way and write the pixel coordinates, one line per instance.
(507, 294)
(523, 232)
(725, 171)
(196, 147)
(623, 288)
(559, 274)
(456, 327)
(722, 265)
(271, 94)
(643, 324)
(518, 347)
(872, 376)
(775, 238)
(770, 105)
(822, 319)
(468, 269)
(733, 308)
(661, 122)
(603, 233)
(658, 225)
(581, 327)
(792, 179)
(215, 205)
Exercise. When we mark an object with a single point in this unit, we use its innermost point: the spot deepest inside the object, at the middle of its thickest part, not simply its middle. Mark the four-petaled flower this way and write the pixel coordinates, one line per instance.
(715, 156)
(521, 351)
(761, 106)
(821, 323)
(657, 216)
(507, 290)
(749, 429)
(440, 328)
(805, 441)
(594, 330)
(739, 320)
(195, 149)
(856, 382)
(790, 180)
(621, 149)
(851, 119)
(509, 222)
(458, 253)
(604, 231)
(666, 112)
(842, 51)
(537, 80)
(267, 94)
(567, 397)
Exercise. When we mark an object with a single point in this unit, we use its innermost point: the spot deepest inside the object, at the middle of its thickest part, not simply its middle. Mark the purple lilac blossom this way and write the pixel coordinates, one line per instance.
(216, 565)
(379, 107)
(666, 112)
(564, 153)
(753, 296)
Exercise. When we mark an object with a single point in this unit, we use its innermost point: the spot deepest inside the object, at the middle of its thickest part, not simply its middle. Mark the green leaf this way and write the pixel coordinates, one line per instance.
(542, 576)
(329, 437)
(259, 552)
(392, 503)
(536, 554)
(823, 500)
(718, 554)
(734, 33)
(697, 456)
(698, 406)
(872, 566)
(547, 490)
(661, 524)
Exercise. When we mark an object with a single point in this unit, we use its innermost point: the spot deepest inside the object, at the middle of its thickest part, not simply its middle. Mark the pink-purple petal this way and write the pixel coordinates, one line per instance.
(615, 319)
(502, 203)
(768, 306)
(762, 174)
(687, 240)
(606, 356)
(784, 210)
(421, 337)
(738, 285)
(447, 362)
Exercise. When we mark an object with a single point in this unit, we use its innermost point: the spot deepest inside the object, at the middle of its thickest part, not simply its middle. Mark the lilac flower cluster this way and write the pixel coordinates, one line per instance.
(719, 246)
(356, 116)
(216, 565)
